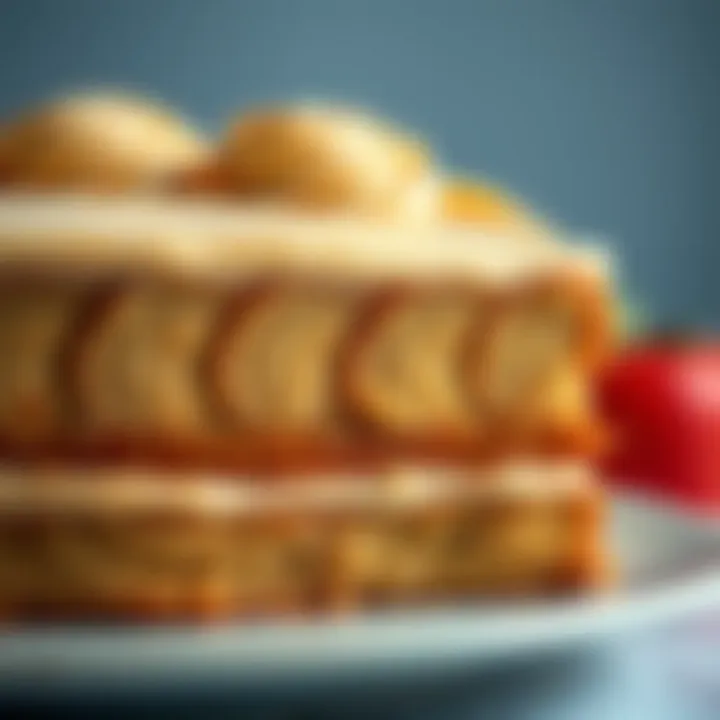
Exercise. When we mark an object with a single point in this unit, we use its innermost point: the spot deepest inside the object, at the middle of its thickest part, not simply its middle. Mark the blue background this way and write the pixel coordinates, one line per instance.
(605, 113)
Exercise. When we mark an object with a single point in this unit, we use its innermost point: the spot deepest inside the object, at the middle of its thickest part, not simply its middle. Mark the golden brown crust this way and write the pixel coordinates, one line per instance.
(206, 180)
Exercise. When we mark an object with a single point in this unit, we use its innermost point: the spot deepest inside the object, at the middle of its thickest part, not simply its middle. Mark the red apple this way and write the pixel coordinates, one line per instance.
(663, 402)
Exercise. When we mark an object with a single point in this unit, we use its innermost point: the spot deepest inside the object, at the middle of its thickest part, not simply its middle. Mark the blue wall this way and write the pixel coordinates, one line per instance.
(605, 113)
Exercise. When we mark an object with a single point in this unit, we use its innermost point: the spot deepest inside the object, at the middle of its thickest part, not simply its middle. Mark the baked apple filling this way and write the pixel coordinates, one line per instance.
(33, 322)
(522, 366)
(403, 374)
(139, 364)
(276, 366)
(220, 374)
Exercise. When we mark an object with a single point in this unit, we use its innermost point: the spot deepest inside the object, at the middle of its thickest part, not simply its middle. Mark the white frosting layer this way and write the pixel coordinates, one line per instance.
(198, 238)
(118, 491)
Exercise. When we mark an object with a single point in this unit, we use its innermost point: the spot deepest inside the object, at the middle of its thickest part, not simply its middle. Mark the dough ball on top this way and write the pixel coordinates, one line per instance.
(98, 142)
(329, 158)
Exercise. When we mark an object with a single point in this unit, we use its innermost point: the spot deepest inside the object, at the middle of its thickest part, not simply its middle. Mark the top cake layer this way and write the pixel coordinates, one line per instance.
(261, 340)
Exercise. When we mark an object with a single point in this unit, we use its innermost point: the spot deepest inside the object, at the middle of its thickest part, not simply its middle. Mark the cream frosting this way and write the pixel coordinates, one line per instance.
(84, 489)
(200, 238)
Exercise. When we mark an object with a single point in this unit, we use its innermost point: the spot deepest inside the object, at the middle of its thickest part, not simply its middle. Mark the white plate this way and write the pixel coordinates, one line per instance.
(671, 569)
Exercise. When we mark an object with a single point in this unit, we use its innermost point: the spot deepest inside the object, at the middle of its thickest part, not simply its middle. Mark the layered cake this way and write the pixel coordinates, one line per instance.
(287, 380)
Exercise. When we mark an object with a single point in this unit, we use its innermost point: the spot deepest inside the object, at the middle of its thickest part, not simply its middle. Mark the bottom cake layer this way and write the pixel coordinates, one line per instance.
(106, 545)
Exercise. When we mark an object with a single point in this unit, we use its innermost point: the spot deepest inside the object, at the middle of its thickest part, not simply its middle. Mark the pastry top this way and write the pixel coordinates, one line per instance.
(330, 158)
(94, 142)
(316, 159)
(73, 234)
(493, 208)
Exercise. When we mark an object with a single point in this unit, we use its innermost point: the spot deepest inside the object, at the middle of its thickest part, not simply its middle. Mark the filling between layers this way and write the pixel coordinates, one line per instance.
(199, 365)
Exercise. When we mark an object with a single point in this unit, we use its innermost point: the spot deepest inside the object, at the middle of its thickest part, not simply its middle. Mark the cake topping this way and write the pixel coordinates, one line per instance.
(324, 158)
(97, 143)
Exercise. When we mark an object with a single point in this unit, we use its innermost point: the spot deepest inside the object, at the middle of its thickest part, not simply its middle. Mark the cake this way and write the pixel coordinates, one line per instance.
(285, 397)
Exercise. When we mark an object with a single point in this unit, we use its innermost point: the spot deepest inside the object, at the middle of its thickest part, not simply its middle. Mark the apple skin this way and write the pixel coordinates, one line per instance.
(662, 401)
